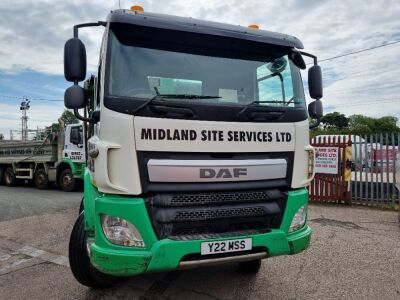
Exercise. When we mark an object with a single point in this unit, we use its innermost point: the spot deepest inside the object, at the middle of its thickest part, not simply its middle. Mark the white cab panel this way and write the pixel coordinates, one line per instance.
(156, 134)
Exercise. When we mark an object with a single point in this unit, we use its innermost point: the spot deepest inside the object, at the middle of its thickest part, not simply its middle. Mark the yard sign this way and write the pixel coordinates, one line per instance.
(326, 160)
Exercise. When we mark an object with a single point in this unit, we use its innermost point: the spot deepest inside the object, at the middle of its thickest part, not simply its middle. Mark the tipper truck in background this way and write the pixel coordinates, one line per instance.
(200, 149)
(59, 158)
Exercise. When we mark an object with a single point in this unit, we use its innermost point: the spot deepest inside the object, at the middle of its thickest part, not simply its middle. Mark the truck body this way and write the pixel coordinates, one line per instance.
(200, 152)
(59, 158)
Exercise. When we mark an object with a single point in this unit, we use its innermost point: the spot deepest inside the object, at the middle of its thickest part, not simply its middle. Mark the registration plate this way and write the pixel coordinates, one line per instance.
(226, 246)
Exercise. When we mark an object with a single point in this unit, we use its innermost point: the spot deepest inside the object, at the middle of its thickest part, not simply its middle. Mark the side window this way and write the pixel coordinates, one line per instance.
(274, 82)
(76, 136)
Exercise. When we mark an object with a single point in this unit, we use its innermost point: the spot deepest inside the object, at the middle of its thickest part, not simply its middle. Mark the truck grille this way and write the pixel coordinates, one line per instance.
(215, 198)
(218, 213)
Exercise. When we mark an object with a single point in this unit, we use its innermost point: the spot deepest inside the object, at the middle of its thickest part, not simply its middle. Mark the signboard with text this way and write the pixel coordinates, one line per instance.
(326, 160)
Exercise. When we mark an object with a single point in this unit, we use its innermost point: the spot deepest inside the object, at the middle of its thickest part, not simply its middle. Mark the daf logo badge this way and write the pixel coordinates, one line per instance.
(222, 173)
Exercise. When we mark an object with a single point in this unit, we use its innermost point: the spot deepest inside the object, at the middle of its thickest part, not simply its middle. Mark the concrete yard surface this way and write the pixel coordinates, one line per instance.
(355, 254)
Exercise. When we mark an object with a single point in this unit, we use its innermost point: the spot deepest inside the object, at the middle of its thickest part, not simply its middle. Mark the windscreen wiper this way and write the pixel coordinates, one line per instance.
(173, 96)
(253, 103)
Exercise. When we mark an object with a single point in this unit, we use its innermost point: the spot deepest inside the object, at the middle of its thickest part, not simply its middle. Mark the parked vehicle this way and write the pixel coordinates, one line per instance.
(200, 153)
(44, 162)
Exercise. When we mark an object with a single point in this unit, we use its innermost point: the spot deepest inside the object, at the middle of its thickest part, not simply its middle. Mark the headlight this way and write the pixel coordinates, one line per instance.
(120, 232)
(299, 219)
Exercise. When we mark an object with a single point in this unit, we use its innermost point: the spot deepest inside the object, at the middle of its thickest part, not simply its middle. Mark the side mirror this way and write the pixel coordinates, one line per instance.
(74, 60)
(315, 82)
(75, 97)
(315, 109)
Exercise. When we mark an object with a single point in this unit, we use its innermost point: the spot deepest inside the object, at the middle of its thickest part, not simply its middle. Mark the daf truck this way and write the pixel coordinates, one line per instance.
(59, 158)
(200, 150)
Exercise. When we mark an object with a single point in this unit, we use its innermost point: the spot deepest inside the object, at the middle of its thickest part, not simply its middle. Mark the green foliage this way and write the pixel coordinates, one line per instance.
(1, 136)
(337, 123)
(55, 127)
(335, 120)
(69, 117)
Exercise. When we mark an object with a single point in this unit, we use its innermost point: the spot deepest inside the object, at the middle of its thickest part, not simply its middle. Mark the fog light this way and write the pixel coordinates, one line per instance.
(299, 219)
(120, 232)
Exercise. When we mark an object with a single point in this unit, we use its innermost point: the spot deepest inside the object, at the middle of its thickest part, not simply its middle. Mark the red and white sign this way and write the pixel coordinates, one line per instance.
(326, 160)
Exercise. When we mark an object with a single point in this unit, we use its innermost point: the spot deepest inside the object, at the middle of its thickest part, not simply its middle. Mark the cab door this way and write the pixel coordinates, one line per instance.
(73, 146)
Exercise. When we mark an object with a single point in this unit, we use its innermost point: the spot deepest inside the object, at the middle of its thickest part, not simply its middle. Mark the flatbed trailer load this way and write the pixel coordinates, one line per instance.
(46, 161)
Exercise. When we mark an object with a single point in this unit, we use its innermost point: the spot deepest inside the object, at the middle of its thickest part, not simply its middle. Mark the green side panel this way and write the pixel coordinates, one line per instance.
(77, 169)
(162, 255)
(90, 195)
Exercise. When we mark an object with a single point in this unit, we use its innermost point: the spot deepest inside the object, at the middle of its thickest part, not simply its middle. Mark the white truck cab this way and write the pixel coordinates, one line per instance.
(74, 146)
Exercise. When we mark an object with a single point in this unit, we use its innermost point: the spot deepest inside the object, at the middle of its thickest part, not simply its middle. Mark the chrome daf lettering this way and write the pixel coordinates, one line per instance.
(222, 173)
(176, 170)
(207, 173)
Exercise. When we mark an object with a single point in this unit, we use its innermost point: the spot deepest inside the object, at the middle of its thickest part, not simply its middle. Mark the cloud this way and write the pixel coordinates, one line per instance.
(33, 33)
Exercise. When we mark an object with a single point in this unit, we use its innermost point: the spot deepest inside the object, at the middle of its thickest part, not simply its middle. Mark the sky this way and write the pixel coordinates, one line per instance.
(33, 33)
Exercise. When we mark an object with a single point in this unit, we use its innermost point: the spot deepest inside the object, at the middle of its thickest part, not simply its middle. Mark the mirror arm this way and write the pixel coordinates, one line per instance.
(76, 27)
(310, 55)
(82, 118)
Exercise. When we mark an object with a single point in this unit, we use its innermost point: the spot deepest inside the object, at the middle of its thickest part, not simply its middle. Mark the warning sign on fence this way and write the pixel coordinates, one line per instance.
(326, 160)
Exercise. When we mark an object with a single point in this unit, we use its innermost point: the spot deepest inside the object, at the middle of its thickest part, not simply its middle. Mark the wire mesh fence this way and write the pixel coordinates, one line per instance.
(373, 179)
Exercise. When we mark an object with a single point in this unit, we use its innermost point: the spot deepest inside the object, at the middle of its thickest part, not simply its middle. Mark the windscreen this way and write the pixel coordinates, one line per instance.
(139, 71)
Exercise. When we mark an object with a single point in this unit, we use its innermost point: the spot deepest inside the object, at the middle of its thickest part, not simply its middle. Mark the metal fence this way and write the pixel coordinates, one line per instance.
(374, 164)
(331, 186)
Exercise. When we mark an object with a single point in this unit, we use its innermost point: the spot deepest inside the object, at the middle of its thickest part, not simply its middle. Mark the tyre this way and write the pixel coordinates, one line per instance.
(41, 179)
(250, 267)
(79, 261)
(9, 177)
(67, 181)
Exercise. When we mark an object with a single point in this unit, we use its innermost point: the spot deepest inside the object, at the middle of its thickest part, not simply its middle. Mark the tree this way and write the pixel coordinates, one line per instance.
(335, 120)
(337, 123)
(362, 125)
(1, 136)
(69, 118)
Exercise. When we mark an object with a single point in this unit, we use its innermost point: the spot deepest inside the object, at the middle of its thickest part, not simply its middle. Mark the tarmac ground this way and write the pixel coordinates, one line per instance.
(354, 254)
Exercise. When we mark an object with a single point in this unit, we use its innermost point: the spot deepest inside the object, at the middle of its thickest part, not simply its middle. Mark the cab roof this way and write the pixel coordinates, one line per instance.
(202, 27)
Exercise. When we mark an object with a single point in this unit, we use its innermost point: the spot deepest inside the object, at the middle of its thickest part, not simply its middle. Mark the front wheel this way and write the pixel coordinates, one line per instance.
(79, 261)
(67, 181)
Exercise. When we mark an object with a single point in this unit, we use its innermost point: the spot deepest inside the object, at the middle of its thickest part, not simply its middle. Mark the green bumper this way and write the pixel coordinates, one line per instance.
(166, 254)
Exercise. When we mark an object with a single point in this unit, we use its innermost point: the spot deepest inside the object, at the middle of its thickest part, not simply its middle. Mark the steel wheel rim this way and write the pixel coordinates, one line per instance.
(67, 180)
(40, 179)
(7, 177)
